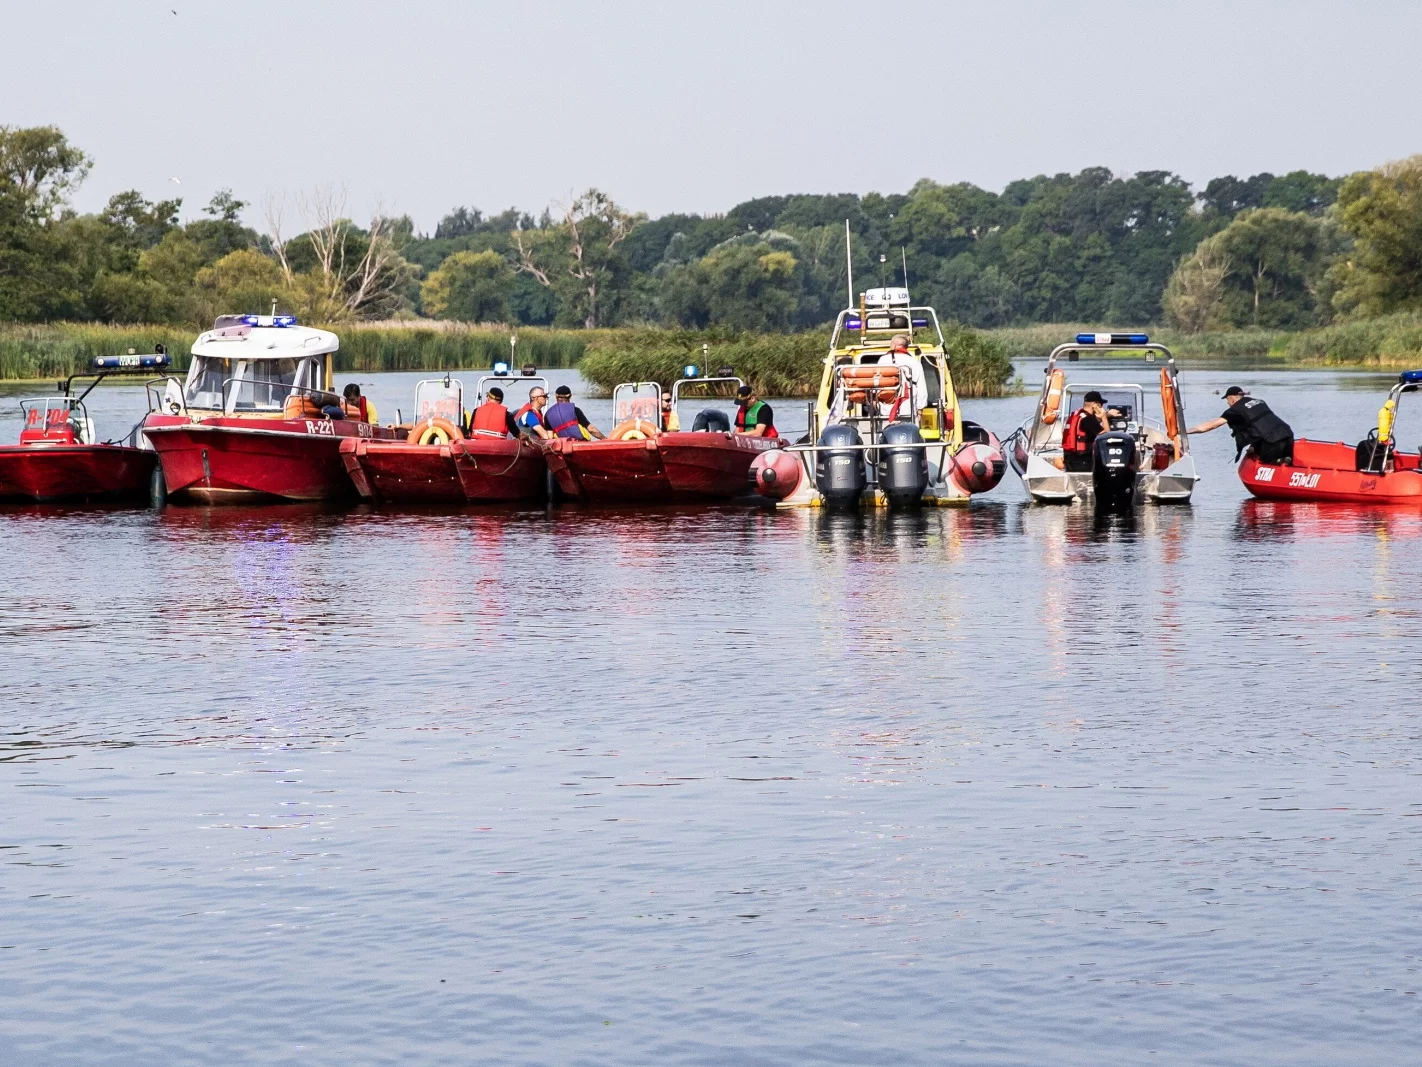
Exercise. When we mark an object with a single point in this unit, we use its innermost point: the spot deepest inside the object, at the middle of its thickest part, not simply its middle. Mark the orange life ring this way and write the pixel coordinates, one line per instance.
(1167, 403)
(434, 431)
(633, 430)
(1052, 402)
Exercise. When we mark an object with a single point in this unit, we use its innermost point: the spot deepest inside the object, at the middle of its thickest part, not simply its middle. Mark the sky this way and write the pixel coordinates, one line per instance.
(416, 107)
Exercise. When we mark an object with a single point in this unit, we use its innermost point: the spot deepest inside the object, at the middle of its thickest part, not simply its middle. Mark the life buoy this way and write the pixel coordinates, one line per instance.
(434, 431)
(1052, 402)
(633, 430)
(862, 379)
(1167, 404)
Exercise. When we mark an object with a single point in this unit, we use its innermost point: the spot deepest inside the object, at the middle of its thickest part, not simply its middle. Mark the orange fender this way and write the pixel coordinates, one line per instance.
(1052, 402)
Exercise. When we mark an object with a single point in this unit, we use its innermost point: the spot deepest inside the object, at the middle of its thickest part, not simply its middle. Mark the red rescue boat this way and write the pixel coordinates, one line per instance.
(254, 420)
(58, 457)
(643, 461)
(437, 464)
(1372, 472)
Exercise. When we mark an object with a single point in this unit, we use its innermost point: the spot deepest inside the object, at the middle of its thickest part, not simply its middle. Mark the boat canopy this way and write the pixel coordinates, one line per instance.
(257, 362)
(264, 337)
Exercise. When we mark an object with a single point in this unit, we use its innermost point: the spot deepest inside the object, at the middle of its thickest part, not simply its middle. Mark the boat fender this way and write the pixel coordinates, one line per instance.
(434, 431)
(1386, 416)
(776, 474)
(711, 420)
(633, 430)
(1052, 402)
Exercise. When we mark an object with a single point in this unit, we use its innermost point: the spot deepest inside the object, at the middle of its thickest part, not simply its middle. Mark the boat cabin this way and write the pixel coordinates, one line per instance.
(264, 365)
(867, 385)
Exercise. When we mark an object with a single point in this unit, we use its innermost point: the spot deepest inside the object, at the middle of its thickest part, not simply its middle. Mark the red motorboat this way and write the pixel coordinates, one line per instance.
(58, 457)
(254, 421)
(437, 464)
(648, 460)
(1372, 472)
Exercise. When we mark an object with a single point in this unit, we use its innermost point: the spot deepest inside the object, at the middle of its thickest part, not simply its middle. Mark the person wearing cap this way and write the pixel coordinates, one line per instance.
(753, 417)
(529, 418)
(491, 418)
(565, 419)
(1254, 425)
(1086, 424)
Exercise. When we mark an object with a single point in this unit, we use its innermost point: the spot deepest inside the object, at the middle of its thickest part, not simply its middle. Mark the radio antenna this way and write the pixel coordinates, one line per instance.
(849, 262)
(903, 252)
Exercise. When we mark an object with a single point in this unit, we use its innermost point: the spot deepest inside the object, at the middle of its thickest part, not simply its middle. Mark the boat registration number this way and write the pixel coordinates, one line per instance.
(1303, 481)
(327, 428)
(1264, 474)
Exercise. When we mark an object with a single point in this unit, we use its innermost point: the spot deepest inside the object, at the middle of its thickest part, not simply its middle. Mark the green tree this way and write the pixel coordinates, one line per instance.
(1381, 210)
(469, 286)
(580, 258)
(1194, 296)
(39, 258)
(753, 283)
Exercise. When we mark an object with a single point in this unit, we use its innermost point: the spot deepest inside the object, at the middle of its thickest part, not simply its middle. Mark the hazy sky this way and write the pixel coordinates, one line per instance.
(421, 106)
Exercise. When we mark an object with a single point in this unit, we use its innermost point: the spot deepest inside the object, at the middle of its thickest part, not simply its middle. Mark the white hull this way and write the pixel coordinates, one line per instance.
(1048, 484)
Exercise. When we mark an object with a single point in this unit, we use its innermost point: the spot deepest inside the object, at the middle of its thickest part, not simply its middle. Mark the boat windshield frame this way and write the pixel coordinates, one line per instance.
(229, 399)
(636, 387)
(497, 379)
(676, 391)
(62, 402)
(862, 315)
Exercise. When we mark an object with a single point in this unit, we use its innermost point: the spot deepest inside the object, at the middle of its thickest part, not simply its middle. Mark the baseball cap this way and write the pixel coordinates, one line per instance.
(1234, 390)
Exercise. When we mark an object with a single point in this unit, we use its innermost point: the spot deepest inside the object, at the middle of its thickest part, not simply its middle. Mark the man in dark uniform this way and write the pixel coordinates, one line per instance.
(1253, 425)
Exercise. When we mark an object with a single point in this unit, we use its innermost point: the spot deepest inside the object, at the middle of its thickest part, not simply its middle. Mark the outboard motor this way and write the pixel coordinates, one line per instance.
(1113, 469)
(839, 471)
(903, 472)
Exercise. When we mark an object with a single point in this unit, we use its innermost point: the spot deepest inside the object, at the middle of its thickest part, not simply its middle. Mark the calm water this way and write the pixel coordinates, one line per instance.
(993, 785)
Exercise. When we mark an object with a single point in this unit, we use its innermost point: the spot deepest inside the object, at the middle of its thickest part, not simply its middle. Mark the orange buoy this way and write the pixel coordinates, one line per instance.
(434, 432)
(633, 430)
(1052, 402)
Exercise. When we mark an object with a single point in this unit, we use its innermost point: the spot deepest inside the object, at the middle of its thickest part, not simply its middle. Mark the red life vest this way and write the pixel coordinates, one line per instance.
(1073, 440)
(491, 419)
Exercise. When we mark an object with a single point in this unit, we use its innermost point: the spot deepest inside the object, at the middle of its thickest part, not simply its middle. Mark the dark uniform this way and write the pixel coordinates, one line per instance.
(1253, 424)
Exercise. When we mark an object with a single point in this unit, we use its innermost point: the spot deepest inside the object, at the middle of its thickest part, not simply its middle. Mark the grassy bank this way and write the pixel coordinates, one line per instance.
(1388, 343)
(776, 364)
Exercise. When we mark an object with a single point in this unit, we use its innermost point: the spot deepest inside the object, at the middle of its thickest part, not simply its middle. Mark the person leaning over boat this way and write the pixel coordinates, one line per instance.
(1253, 425)
(491, 418)
(1086, 424)
(530, 417)
(565, 419)
(754, 417)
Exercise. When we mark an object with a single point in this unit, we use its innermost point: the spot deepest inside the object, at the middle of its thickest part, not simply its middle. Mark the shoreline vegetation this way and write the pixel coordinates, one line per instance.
(776, 364)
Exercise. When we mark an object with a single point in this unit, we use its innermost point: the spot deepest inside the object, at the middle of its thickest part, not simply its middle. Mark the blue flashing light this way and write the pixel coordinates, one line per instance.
(691, 370)
(283, 320)
(132, 362)
(1410, 377)
(278, 321)
(920, 322)
(251, 320)
(853, 324)
(501, 370)
(1112, 339)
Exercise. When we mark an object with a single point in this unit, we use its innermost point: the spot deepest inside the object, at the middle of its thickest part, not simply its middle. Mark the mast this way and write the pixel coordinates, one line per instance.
(849, 262)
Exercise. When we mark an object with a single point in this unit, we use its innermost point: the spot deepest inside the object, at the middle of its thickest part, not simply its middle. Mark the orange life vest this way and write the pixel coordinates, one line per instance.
(490, 418)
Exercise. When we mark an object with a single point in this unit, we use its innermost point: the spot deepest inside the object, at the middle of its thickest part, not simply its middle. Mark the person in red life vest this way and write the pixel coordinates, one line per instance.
(1083, 427)
(355, 405)
(529, 418)
(564, 419)
(754, 417)
(491, 418)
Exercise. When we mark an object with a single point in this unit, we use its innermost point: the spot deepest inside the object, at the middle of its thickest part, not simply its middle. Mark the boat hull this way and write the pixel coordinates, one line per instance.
(1048, 484)
(500, 470)
(44, 473)
(1326, 472)
(397, 472)
(238, 460)
(669, 468)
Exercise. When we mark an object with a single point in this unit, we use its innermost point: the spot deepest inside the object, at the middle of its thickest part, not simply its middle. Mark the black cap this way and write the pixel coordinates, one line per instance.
(744, 390)
(563, 390)
(1094, 397)
(1234, 390)
(497, 394)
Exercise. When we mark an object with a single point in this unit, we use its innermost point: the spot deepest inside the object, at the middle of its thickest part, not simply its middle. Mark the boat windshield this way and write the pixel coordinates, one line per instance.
(205, 378)
(264, 384)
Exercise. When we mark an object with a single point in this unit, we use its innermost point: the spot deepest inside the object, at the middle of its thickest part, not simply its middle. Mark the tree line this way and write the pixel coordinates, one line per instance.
(1286, 251)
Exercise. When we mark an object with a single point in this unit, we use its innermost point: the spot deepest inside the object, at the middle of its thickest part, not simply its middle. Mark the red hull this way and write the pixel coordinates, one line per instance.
(496, 470)
(75, 472)
(396, 472)
(671, 467)
(1325, 472)
(243, 460)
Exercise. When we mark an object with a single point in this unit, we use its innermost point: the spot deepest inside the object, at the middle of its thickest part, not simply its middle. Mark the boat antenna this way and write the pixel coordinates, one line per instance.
(274, 303)
(849, 262)
(904, 253)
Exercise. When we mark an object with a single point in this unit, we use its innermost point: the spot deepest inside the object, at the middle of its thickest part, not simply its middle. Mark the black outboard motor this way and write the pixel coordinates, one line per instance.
(1113, 470)
(903, 472)
(839, 472)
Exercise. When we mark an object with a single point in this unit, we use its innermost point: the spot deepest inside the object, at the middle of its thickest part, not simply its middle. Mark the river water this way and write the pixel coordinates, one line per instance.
(994, 785)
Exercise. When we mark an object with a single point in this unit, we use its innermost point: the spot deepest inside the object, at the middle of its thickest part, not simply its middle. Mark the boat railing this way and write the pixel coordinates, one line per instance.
(677, 390)
(321, 397)
(860, 321)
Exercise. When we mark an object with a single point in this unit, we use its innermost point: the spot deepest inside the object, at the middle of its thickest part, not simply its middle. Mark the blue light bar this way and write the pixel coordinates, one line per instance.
(1112, 339)
(500, 369)
(127, 362)
(283, 320)
(691, 370)
(852, 324)
(279, 321)
(1410, 377)
(920, 322)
